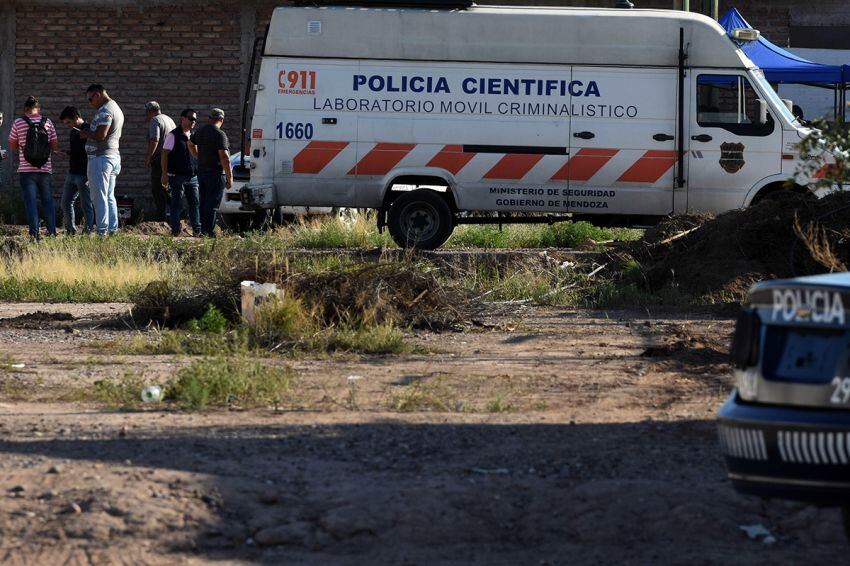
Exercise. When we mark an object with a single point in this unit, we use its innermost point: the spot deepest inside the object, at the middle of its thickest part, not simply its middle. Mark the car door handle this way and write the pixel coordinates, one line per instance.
(702, 138)
(662, 137)
(584, 135)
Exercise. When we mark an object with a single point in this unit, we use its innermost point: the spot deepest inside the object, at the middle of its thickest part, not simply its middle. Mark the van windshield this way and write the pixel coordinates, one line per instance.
(772, 97)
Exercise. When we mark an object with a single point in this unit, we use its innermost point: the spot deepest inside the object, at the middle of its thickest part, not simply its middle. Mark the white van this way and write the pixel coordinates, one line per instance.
(424, 114)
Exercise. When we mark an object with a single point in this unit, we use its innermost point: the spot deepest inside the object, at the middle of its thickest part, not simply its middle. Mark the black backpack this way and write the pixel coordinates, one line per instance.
(37, 149)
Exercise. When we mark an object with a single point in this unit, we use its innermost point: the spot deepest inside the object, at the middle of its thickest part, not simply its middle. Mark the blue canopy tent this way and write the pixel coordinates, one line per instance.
(781, 66)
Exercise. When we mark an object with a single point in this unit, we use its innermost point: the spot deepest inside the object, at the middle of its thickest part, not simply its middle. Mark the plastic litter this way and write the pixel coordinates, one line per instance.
(18, 366)
(152, 394)
(252, 294)
(755, 532)
(353, 377)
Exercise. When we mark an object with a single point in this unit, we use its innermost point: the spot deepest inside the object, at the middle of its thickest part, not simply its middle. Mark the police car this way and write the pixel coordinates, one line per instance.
(785, 429)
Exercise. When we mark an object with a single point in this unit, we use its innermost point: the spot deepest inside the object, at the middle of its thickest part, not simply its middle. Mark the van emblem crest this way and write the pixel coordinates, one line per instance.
(732, 157)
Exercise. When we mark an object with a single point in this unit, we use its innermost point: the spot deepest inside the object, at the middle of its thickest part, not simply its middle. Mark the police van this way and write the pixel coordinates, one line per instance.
(785, 429)
(427, 115)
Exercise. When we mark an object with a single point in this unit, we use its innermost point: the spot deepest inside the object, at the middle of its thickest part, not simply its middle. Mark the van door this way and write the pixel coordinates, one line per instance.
(314, 138)
(730, 150)
(622, 142)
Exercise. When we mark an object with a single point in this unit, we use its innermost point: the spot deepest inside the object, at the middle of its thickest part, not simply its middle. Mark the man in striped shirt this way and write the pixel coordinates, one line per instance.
(36, 182)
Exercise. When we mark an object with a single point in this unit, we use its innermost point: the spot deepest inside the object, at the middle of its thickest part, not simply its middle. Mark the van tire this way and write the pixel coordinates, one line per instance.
(420, 219)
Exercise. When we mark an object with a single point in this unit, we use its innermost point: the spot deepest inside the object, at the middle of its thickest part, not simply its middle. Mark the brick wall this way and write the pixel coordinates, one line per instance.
(178, 55)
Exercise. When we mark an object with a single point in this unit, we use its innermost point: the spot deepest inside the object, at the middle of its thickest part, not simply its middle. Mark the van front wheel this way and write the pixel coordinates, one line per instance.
(420, 219)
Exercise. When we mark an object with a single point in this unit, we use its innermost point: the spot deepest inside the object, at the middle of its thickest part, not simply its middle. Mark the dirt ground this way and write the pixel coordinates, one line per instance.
(554, 436)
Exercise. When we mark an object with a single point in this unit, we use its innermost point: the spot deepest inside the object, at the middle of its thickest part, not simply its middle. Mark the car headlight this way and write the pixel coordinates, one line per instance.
(747, 383)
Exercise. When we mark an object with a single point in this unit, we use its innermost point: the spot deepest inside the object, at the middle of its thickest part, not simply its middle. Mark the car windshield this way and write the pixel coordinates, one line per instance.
(772, 97)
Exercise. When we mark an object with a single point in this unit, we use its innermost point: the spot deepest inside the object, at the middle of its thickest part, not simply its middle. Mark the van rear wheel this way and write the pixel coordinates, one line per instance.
(420, 219)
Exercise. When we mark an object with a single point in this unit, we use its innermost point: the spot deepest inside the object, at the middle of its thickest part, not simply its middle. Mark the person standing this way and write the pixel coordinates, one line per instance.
(33, 138)
(3, 154)
(104, 163)
(178, 172)
(75, 182)
(159, 125)
(214, 172)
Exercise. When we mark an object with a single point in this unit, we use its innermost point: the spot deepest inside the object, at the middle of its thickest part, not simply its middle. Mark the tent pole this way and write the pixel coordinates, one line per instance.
(686, 5)
(714, 9)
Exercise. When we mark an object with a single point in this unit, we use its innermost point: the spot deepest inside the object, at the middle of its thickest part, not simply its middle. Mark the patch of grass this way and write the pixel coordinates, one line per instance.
(331, 232)
(499, 405)
(215, 381)
(426, 396)
(384, 338)
(560, 235)
(226, 381)
(80, 270)
(124, 392)
(6, 362)
(162, 342)
(282, 321)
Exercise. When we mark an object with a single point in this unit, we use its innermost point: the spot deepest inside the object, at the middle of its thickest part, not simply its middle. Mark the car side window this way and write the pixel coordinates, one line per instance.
(730, 102)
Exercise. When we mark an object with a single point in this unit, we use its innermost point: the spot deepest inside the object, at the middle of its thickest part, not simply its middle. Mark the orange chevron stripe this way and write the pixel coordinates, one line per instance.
(316, 156)
(382, 158)
(650, 167)
(451, 158)
(584, 164)
(513, 166)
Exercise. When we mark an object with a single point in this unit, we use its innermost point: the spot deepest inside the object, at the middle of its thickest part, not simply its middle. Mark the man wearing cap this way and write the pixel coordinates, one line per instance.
(158, 127)
(214, 172)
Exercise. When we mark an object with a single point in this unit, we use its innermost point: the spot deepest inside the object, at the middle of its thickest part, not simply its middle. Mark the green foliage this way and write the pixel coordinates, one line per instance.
(559, 235)
(499, 405)
(282, 321)
(212, 321)
(385, 338)
(224, 381)
(827, 139)
(124, 392)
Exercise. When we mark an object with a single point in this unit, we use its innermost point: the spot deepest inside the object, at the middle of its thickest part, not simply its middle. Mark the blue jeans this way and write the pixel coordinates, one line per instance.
(75, 186)
(39, 185)
(103, 171)
(212, 189)
(180, 184)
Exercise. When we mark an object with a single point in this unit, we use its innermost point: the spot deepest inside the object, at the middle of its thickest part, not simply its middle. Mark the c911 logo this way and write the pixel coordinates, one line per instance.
(296, 82)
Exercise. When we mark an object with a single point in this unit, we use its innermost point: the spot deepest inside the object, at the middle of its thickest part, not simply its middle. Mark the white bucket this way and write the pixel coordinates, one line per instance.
(254, 293)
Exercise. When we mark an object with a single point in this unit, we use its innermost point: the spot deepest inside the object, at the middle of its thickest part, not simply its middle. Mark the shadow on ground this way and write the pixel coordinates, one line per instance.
(393, 493)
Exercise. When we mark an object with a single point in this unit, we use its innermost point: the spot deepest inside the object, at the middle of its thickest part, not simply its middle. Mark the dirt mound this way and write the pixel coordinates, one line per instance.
(406, 293)
(787, 236)
(676, 225)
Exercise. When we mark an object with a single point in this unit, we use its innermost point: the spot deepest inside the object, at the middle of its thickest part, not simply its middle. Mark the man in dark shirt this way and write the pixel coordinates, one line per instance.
(214, 173)
(75, 181)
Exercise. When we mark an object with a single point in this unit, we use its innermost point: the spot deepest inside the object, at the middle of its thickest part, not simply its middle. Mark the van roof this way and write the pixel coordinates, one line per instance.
(500, 34)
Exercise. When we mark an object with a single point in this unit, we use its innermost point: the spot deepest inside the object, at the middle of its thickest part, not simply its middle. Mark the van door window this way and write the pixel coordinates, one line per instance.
(730, 102)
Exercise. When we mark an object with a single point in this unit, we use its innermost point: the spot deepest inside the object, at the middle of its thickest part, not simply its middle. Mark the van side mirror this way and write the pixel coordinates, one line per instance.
(762, 111)
(789, 104)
